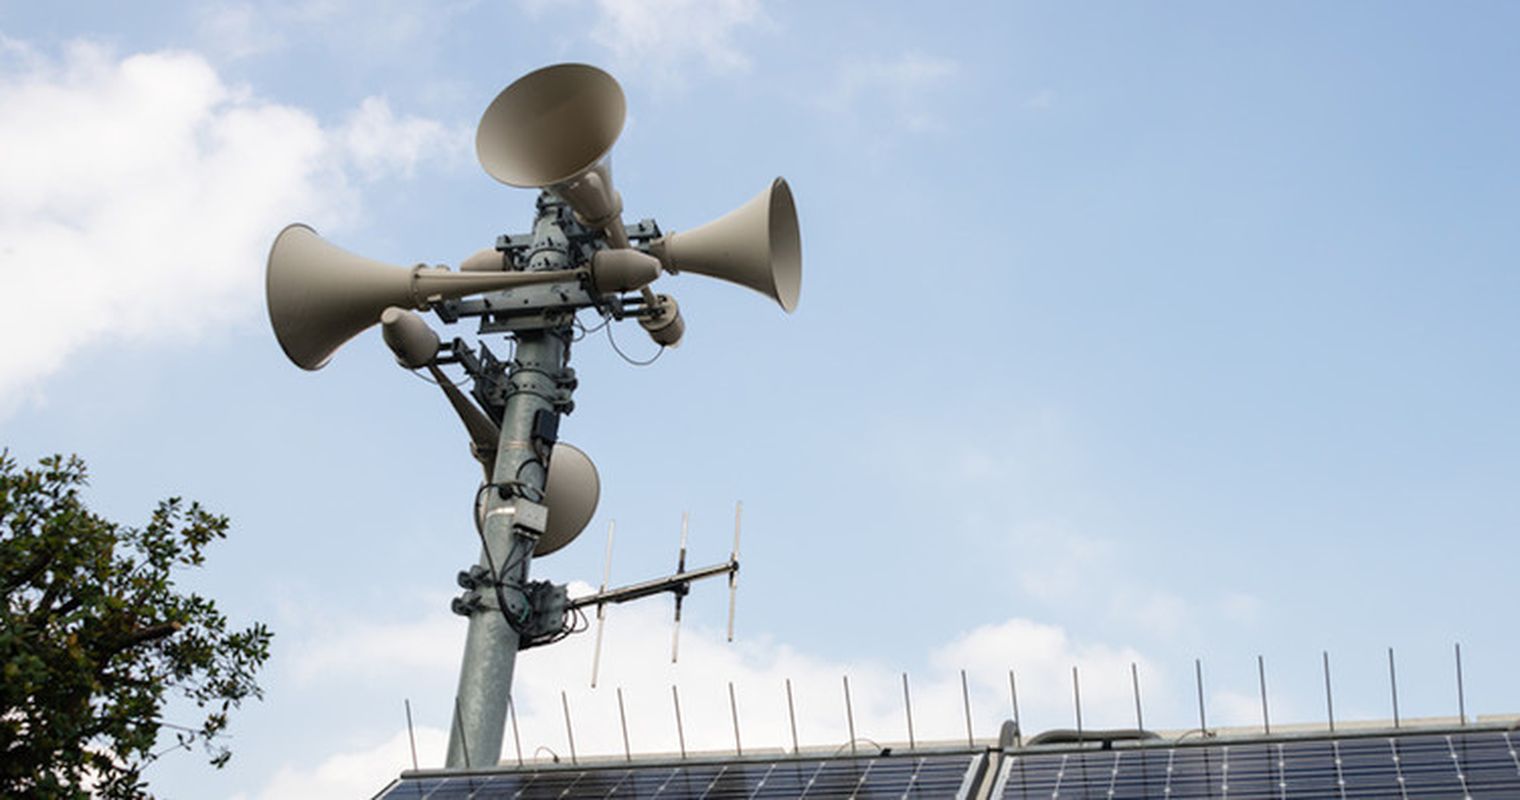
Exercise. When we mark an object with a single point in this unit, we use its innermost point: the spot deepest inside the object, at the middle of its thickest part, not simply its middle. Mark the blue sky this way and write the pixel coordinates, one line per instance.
(1128, 332)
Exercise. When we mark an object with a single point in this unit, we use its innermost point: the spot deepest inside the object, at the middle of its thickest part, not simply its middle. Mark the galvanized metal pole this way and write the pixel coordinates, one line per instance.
(1261, 673)
(490, 651)
(1134, 677)
(966, 698)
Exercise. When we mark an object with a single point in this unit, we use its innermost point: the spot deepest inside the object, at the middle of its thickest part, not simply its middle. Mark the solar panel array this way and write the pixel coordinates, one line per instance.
(1460, 764)
(1466, 762)
(907, 776)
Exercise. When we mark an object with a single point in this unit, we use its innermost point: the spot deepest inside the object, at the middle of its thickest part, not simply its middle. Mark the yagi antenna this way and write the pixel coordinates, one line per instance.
(678, 584)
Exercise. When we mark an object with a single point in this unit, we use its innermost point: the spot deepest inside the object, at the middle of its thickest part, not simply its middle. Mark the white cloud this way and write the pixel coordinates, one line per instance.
(636, 659)
(1044, 656)
(356, 774)
(371, 31)
(1241, 607)
(663, 41)
(1007, 489)
(237, 30)
(898, 91)
(1154, 610)
(351, 650)
(139, 195)
(1229, 708)
(379, 143)
(661, 37)
(1060, 563)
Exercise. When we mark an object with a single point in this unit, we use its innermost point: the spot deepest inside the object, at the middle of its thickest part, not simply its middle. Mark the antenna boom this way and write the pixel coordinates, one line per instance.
(671, 583)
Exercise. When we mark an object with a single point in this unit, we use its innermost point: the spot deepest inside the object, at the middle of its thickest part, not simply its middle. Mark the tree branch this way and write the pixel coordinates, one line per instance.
(29, 573)
(148, 634)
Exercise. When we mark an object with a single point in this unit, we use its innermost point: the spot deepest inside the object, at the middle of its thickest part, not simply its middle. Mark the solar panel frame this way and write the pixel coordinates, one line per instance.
(1464, 762)
(916, 775)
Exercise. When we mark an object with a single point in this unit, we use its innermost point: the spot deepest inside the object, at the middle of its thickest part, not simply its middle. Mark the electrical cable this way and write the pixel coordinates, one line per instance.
(496, 577)
(417, 373)
(542, 748)
(857, 739)
(625, 356)
(584, 331)
(519, 553)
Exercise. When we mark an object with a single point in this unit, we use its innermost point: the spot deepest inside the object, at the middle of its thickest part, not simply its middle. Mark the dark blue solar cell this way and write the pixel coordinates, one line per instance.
(1492, 764)
(902, 776)
(1462, 764)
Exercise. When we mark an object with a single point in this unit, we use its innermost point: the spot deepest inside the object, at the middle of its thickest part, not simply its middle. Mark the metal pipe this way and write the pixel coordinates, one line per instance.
(410, 736)
(623, 719)
(1076, 697)
(569, 731)
(680, 729)
(491, 644)
(1013, 693)
(908, 708)
(849, 714)
(966, 699)
(1261, 673)
(1203, 725)
(516, 737)
(1329, 699)
(1461, 699)
(733, 708)
(791, 714)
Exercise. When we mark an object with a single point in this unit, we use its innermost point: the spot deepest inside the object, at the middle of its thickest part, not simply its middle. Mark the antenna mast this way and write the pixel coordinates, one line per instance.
(550, 130)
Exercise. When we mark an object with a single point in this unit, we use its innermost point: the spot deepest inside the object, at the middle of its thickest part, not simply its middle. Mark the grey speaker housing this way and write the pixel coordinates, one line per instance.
(758, 245)
(550, 125)
(409, 337)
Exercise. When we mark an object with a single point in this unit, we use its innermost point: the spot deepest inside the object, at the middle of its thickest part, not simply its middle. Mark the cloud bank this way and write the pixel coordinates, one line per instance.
(140, 193)
(636, 661)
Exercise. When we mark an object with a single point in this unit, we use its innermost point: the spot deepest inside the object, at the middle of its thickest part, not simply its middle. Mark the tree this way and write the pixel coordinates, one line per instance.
(95, 635)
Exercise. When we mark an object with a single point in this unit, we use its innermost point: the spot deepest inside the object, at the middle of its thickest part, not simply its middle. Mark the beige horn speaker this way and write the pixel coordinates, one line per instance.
(321, 295)
(756, 245)
(552, 129)
(571, 491)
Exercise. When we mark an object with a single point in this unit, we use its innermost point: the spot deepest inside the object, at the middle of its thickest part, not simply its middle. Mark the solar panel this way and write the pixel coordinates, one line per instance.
(1459, 764)
(907, 776)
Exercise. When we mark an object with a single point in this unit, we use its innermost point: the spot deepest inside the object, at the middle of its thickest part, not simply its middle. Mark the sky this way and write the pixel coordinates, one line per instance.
(1129, 334)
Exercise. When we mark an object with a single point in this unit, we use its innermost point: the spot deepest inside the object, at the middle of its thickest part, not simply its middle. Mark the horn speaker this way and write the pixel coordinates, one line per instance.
(552, 129)
(321, 295)
(571, 492)
(757, 245)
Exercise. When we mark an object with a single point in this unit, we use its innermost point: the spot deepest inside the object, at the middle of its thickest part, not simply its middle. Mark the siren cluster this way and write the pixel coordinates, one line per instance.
(551, 131)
